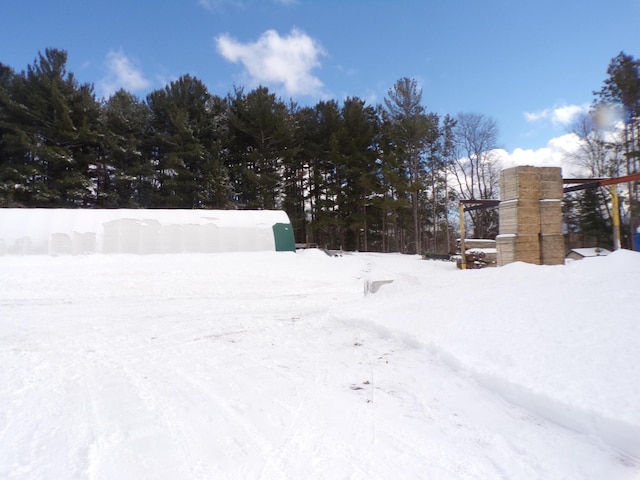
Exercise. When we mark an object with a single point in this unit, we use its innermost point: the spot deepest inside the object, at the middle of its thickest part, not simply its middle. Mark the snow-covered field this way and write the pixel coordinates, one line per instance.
(278, 366)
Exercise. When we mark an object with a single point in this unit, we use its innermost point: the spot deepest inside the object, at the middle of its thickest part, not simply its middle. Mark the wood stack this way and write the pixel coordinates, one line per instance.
(531, 216)
(479, 253)
(552, 249)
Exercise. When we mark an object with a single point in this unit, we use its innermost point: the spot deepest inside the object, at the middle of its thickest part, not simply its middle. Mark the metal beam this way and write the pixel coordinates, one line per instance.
(584, 186)
(479, 204)
(571, 181)
(584, 183)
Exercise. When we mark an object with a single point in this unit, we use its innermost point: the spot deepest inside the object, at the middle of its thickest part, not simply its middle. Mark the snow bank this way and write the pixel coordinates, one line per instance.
(561, 341)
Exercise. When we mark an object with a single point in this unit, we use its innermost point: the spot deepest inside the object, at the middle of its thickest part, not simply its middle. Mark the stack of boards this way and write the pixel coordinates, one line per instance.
(531, 216)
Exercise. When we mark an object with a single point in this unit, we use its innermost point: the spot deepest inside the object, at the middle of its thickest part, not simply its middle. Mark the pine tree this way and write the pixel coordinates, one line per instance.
(438, 160)
(262, 136)
(11, 175)
(592, 219)
(322, 154)
(50, 134)
(394, 205)
(622, 89)
(357, 171)
(294, 175)
(414, 129)
(127, 173)
(185, 146)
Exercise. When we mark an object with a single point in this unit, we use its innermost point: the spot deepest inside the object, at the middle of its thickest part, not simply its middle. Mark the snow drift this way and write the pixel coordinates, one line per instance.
(561, 341)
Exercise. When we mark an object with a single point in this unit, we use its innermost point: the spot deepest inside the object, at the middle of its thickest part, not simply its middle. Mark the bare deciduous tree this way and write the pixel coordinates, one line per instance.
(600, 151)
(475, 167)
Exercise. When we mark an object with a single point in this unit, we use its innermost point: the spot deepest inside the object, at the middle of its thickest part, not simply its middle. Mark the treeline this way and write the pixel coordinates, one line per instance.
(609, 147)
(362, 177)
(349, 175)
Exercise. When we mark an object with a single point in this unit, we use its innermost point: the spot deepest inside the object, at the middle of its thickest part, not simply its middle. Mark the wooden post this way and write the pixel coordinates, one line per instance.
(615, 214)
(463, 263)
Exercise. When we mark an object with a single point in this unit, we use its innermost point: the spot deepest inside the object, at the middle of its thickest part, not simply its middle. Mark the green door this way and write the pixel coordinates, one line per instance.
(283, 235)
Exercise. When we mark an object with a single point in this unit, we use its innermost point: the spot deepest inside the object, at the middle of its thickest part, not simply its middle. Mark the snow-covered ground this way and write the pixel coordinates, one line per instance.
(278, 366)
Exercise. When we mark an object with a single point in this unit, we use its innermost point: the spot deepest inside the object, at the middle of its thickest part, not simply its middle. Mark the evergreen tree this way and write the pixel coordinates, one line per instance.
(414, 130)
(10, 175)
(571, 220)
(592, 218)
(294, 175)
(262, 141)
(50, 134)
(357, 171)
(322, 153)
(438, 161)
(393, 202)
(622, 89)
(622, 86)
(185, 146)
(127, 176)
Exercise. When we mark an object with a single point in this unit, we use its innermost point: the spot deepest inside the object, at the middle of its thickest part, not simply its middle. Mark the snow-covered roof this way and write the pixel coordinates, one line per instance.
(590, 252)
(484, 241)
(481, 250)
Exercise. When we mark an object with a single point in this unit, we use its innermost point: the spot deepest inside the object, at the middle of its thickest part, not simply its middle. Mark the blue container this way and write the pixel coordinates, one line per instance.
(636, 241)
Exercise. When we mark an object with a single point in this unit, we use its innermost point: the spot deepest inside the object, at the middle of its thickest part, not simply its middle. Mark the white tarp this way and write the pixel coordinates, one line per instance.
(80, 231)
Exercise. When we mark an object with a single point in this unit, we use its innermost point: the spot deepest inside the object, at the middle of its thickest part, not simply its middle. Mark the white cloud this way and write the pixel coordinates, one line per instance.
(274, 60)
(214, 5)
(536, 116)
(557, 153)
(121, 73)
(563, 115)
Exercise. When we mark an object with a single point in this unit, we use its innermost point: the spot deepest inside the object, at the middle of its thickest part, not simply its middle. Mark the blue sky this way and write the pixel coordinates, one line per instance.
(528, 65)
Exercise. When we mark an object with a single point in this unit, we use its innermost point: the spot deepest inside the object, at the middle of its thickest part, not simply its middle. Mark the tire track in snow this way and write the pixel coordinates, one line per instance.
(252, 434)
(299, 419)
(307, 419)
(97, 425)
(149, 392)
(330, 454)
(117, 425)
(192, 390)
(285, 446)
(42, 405)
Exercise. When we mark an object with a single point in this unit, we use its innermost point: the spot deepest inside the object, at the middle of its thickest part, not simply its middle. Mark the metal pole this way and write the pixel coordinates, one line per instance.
(463, 264)
(615, 211)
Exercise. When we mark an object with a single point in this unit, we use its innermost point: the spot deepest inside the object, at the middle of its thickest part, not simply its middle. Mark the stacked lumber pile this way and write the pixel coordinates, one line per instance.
(531, 216)
(479, 253)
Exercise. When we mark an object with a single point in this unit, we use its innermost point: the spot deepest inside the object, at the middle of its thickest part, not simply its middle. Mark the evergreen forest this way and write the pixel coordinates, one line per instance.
(350, 175)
